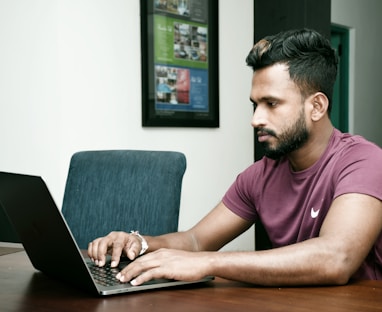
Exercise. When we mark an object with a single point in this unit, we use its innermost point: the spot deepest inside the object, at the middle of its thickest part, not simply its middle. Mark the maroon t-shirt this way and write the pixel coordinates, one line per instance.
(293, 205)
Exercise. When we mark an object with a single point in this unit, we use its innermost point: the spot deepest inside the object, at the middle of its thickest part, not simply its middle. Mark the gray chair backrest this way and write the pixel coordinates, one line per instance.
(123, 190)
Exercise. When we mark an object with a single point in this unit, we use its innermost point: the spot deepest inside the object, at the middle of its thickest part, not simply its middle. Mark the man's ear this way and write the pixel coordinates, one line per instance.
(320, 103)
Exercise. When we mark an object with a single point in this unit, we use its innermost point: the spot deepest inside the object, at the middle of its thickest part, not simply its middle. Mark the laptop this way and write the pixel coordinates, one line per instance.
(49, 243)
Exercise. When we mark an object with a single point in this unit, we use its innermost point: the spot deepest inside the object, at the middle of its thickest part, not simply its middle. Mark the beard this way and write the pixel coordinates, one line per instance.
(289, 140)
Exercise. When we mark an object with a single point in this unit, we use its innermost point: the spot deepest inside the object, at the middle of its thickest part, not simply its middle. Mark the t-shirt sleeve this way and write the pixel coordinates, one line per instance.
(361, 171)
(240, 196)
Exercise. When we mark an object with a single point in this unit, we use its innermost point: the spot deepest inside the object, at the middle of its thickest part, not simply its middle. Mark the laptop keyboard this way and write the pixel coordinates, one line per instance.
(105, 276)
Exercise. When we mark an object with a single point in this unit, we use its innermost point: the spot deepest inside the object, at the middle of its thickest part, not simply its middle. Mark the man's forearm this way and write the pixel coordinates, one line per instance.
(292, 265)
(179, 240)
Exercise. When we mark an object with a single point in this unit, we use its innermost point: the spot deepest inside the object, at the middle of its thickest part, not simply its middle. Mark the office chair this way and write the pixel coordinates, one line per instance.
(123, 190)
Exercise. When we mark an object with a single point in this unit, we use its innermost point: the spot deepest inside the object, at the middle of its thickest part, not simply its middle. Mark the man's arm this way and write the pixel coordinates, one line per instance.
(349, 231)
(215, 230)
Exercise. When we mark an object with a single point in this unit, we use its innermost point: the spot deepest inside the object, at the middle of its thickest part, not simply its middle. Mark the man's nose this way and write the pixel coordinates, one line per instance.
(259, 118)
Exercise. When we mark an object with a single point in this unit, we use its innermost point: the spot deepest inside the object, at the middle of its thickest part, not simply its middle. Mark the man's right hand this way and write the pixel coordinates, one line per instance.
(116, 244)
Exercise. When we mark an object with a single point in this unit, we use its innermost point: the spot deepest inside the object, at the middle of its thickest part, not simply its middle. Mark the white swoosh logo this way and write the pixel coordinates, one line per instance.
(313, 213)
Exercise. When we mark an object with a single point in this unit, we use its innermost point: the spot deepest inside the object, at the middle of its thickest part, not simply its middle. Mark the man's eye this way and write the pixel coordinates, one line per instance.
(273, 104)
(254, 105)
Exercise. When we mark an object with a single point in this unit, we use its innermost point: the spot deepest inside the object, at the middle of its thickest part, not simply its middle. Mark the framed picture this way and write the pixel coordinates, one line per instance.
(180, 85)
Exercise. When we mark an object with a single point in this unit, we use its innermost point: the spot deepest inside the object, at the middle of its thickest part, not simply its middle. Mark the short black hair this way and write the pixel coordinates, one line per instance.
(311, 60)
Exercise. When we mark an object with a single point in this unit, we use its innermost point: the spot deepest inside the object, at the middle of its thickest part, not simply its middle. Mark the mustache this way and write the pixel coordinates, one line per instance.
(267, 131)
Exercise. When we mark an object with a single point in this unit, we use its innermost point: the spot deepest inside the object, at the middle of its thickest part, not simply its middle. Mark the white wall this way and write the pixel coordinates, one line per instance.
(70, 80)
(363, 17)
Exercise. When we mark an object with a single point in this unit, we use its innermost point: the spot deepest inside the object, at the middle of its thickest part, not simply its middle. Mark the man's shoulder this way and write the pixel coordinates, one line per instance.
(355, 145)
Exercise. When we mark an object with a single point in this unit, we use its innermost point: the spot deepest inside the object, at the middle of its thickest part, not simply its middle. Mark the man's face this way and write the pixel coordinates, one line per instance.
(279, 116)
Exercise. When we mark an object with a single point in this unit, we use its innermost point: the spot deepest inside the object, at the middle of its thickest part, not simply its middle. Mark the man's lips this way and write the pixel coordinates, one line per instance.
(263, 136)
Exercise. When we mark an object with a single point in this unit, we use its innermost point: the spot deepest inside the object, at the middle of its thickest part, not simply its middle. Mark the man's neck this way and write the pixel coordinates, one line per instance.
(306, 156)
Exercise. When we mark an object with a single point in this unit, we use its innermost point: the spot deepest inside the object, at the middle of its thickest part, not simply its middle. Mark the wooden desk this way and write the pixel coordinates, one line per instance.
(22, 288)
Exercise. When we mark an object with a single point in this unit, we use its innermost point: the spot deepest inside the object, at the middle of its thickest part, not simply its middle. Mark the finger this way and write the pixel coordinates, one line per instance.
(141, 265)
(93, 250)
(133, 247)
(90, 251)
(144, 277)
(100, 250)
(117, 248)
(112, 243)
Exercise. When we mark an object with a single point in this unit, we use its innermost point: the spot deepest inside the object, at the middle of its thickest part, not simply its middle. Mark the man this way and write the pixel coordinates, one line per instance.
(317, 191)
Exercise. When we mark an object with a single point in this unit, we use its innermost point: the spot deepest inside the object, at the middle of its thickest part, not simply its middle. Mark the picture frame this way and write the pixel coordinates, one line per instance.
(179, 62)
